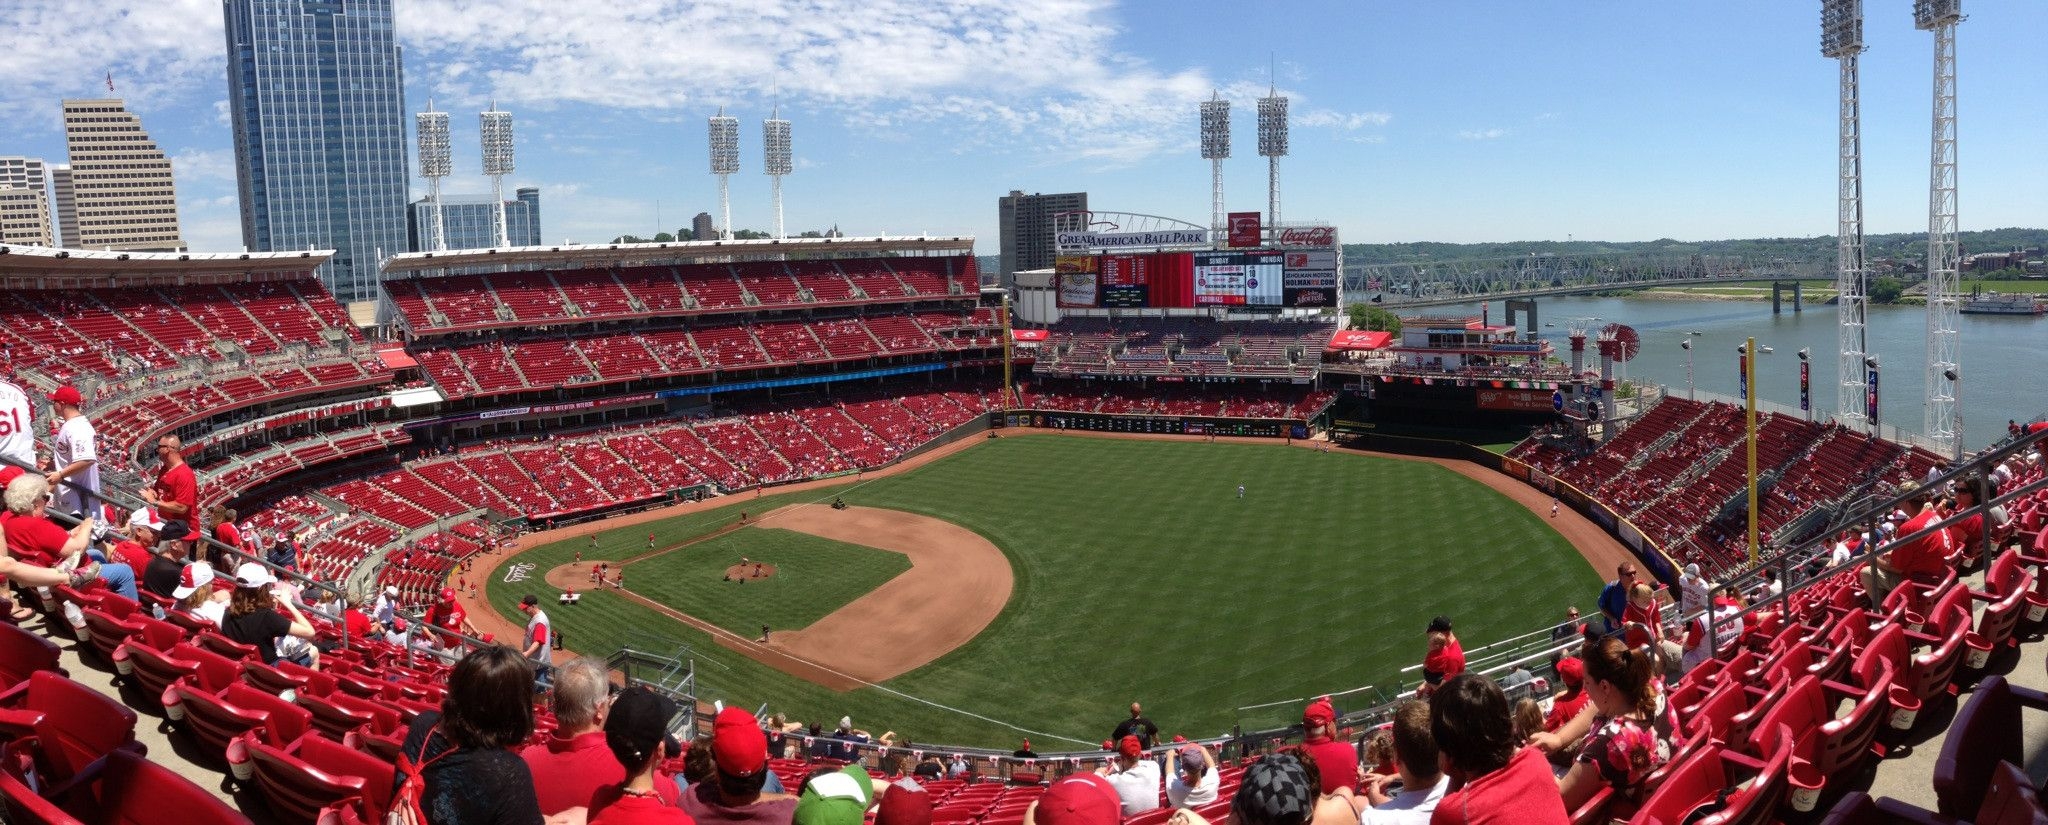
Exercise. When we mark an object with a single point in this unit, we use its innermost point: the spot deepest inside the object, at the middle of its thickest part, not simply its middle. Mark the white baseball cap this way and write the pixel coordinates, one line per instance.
(145, 517)
(195, 575)
(251, 574)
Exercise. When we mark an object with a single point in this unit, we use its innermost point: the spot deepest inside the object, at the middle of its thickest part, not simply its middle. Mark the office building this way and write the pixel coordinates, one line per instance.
(120, 187)
(470, 222)
(24, 202)
(63, 207)
(315, 94)
(701, 228)
(1025, 222)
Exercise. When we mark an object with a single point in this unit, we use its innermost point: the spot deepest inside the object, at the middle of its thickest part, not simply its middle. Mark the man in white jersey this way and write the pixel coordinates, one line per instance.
(75, 453)
(17, 426)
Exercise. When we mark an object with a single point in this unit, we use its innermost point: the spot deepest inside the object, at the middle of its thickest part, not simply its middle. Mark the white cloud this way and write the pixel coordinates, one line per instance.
(159, 51)
(1342, 121)
(1494, 133)
(204, 167)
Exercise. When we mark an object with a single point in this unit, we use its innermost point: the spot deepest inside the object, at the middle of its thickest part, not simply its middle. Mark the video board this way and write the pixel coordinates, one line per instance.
(1239, 278)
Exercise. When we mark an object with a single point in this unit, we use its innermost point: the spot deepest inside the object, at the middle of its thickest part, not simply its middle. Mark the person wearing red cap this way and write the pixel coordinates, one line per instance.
(904, 803)
(1319, 732)
(448, 615)
(734, 795)
(1567, 704)
(1134, 776)
(74, 454)
(1080, 799)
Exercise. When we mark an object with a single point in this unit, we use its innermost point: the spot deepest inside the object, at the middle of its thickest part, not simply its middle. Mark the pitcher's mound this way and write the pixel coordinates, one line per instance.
(749, 571)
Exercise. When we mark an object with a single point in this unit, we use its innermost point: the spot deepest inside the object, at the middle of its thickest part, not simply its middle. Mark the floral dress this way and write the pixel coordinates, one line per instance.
(1613, 748)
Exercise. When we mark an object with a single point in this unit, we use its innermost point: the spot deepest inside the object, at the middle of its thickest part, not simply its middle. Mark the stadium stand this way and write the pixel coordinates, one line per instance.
(1184, 347)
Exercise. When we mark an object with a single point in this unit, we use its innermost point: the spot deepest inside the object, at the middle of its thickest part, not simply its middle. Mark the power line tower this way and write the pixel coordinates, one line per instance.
(1944, 343)
(1841, 37)
(435, 163)
(497, 136)
(1273, 147)
(775, 158)
(725, 162)
(1215, 149)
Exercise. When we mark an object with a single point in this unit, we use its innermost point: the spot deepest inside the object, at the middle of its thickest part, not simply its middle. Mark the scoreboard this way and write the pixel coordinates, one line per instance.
(1239, 278)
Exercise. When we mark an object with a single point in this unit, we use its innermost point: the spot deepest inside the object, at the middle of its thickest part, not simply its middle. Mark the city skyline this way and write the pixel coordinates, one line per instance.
(1492, 121)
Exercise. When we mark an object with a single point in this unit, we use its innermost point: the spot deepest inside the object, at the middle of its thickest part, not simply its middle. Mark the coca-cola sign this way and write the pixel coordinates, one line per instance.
(1324, 236)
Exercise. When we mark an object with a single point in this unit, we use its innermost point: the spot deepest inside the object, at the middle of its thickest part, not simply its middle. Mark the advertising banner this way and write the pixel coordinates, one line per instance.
(1077, 289)
(1131, 240)
(1073, 263)
(1309, 278)
(1318, 237)
(1529, 401)
(1244, 229)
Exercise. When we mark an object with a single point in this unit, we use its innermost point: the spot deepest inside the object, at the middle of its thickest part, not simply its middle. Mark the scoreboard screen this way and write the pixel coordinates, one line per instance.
(1239, 278)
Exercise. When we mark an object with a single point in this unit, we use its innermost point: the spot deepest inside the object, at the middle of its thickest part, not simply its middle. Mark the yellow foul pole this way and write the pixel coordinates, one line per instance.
(1749, 394)
(1009, 398)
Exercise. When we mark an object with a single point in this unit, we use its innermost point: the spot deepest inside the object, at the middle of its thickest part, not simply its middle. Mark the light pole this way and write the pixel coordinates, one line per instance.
(1955, 379)
(1686, 345)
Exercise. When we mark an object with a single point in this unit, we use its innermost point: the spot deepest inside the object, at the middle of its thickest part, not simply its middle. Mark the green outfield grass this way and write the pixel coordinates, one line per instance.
(1141, 576)
(814, 577)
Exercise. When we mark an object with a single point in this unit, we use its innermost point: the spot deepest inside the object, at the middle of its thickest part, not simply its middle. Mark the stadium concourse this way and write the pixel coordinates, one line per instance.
(533, 389)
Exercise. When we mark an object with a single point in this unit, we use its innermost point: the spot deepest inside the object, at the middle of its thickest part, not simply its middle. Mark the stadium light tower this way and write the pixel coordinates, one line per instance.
(1215, 148)
(1944, 343)
(775, 157)
(496, 128)
(1273, 147)
(1841, 37)
(725, 162)
(435, 163)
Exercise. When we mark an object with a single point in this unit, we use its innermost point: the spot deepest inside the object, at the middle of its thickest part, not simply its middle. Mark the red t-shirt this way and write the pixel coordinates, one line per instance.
(1926, 557)
(358, 624)
(177, 485)
(1335, 752)
(132, 554)
(1566, 709)
(1522, 793)
(613, 807)
(1445, 662)
(567, 773)
(1652, 620)
(38, 541)
(447, 615)
(226, 533)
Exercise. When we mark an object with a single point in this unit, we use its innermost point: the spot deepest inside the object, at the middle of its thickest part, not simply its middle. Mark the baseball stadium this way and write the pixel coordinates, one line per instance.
(843, 480)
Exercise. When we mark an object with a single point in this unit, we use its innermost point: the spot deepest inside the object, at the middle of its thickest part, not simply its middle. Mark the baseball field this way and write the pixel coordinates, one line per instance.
(1135, 572)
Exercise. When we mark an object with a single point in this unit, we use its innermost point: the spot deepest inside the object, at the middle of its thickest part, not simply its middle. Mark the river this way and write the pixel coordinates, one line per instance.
(2004, 358)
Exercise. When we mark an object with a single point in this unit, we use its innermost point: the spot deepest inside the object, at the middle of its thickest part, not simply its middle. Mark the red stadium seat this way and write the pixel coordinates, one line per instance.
(122, 789)
(23, 653)
(1711, 770)
(1986, 730)
(63, 725)
(225, 646)
(2007, 584)
(314, 775)
(337, 715)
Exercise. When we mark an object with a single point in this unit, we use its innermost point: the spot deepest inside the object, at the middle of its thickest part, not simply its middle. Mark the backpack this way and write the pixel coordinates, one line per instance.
(405, 801)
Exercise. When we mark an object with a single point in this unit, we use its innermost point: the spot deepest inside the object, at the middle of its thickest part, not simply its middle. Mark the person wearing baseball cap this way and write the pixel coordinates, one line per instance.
(636, 731)
(838, 798)
(1319, 737)
(1572, 673)
(195, 593)
(1191, 778)
(253, 617)
(734, 794)
(1134, 776)
(448, 615)
(73, 453)
(1080, 799)
(904, 803)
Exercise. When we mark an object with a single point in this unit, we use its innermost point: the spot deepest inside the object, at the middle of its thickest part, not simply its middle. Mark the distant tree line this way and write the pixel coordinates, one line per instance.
(1905, 247)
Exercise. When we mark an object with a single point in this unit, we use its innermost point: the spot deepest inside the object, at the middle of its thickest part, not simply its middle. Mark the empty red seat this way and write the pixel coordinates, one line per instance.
(124, 789)
(338, 714)
(1987, 729)
(23, 653)
(1709, 773)
(314, 775)
(71, 724)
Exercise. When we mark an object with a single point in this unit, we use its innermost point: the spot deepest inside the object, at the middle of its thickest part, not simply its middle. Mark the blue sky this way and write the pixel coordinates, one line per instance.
(1452, 121)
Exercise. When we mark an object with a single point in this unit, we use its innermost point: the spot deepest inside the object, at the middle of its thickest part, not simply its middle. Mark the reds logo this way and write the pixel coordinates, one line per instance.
(519, 572)
(1309, 236)
(1250, 224)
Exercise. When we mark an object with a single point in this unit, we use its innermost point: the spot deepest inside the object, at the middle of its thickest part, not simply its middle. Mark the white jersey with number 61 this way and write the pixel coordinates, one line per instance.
(17, 421)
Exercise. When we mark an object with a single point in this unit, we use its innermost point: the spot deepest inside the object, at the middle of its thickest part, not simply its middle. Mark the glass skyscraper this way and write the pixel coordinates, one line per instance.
(316, 91)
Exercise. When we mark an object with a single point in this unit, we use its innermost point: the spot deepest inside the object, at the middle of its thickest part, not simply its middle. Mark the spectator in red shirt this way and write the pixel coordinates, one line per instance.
(175, 495)
(573, 764)
(1967, 536)
(735, 795)
(224, 530)
(1319, 735)
(448, 615)
(1573, 699)
(1446, 657)
(33, 538)
(359, 624)
(1922, 560)
(136, 550)
(1491, 781)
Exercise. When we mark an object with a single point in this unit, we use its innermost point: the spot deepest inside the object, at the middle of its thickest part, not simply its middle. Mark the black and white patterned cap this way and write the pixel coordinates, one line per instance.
(1275, 790)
